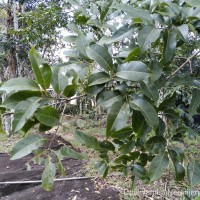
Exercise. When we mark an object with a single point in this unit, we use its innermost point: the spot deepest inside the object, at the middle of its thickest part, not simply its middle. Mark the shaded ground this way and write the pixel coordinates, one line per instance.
(63, 190)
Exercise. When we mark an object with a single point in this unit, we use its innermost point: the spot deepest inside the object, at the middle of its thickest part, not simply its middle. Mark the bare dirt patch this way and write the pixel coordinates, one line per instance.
(63, 190)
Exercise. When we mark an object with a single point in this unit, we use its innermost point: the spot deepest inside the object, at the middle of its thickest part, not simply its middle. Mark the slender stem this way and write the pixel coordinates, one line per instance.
(188, 60)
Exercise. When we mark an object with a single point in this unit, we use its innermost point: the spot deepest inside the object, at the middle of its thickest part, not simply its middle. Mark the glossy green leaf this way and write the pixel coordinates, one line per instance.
(48, 175)
(135, 54)
(26, 145)
(24, 111)
(102, 168)
(59, 164)
(156, 71)
(15, 98)
(48, 116)
(101, 55)
(147, 111)
(195, 102)
(70, 90)
(123, 133)
(89, 141)
(118, 115)
(158, 165)
(127, 147)
(183, 31)
(42, 70)
(107, 98)
(19, 84)
(169, 46)
(193, 173)
(148, 35)
(150, 90)
(177, 161)
(70, 153)
(133, 71)
(99, 78)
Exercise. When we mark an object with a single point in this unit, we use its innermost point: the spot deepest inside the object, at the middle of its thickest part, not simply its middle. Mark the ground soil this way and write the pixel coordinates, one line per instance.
(64, 190)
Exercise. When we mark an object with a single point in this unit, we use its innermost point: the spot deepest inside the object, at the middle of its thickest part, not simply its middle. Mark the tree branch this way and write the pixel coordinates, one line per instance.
(188, 60)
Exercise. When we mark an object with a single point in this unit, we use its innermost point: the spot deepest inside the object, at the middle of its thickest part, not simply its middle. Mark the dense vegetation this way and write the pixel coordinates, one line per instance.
(140, 60)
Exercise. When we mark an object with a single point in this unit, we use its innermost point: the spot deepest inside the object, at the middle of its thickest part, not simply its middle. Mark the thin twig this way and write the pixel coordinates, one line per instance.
(188, 60)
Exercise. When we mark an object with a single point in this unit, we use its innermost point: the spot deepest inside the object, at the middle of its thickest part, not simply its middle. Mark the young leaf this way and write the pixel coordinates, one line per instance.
(148, 35)
(195, 102)
(48, 116)
(158, 165)
(26, 145)
(193, 173)
(42, 71)
(48, 175)
(135, 54)
(89, 141)
(133, 71)
(118, 115)
(99, 78)
(100, 55)
(24, 111)
(147, 111)
(19, 84)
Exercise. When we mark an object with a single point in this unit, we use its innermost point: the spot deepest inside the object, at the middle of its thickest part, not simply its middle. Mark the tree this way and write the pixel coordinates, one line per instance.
(138, 73)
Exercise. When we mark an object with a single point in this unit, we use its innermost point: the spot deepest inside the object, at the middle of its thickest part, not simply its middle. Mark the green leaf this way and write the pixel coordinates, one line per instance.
(89, 141)
(120, 34)
(82, 41)
(58, 163)
(102, 168)
(123, 133)
(158, 165)
(135, 54)
(138, 121)
(24, 111)
(193, 173)
(48, 116)
(156, 71)
(195, 102)
(99, 78)
(15, 98)
(107, 98)
(118, 115)
(150, 90)
(177, 160)
(146, 36)
(194, 3)
(42, 70)
(133, 71)
(70, 90)
(155, 144)
(65, 151)
(19, 84)
(105, 9)
(48, 175)
(135, 12)
(127, 147)
(26, 145)
(147, 111)
(169, 46)
(183, 31)
(100, 55)
(54, 79)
